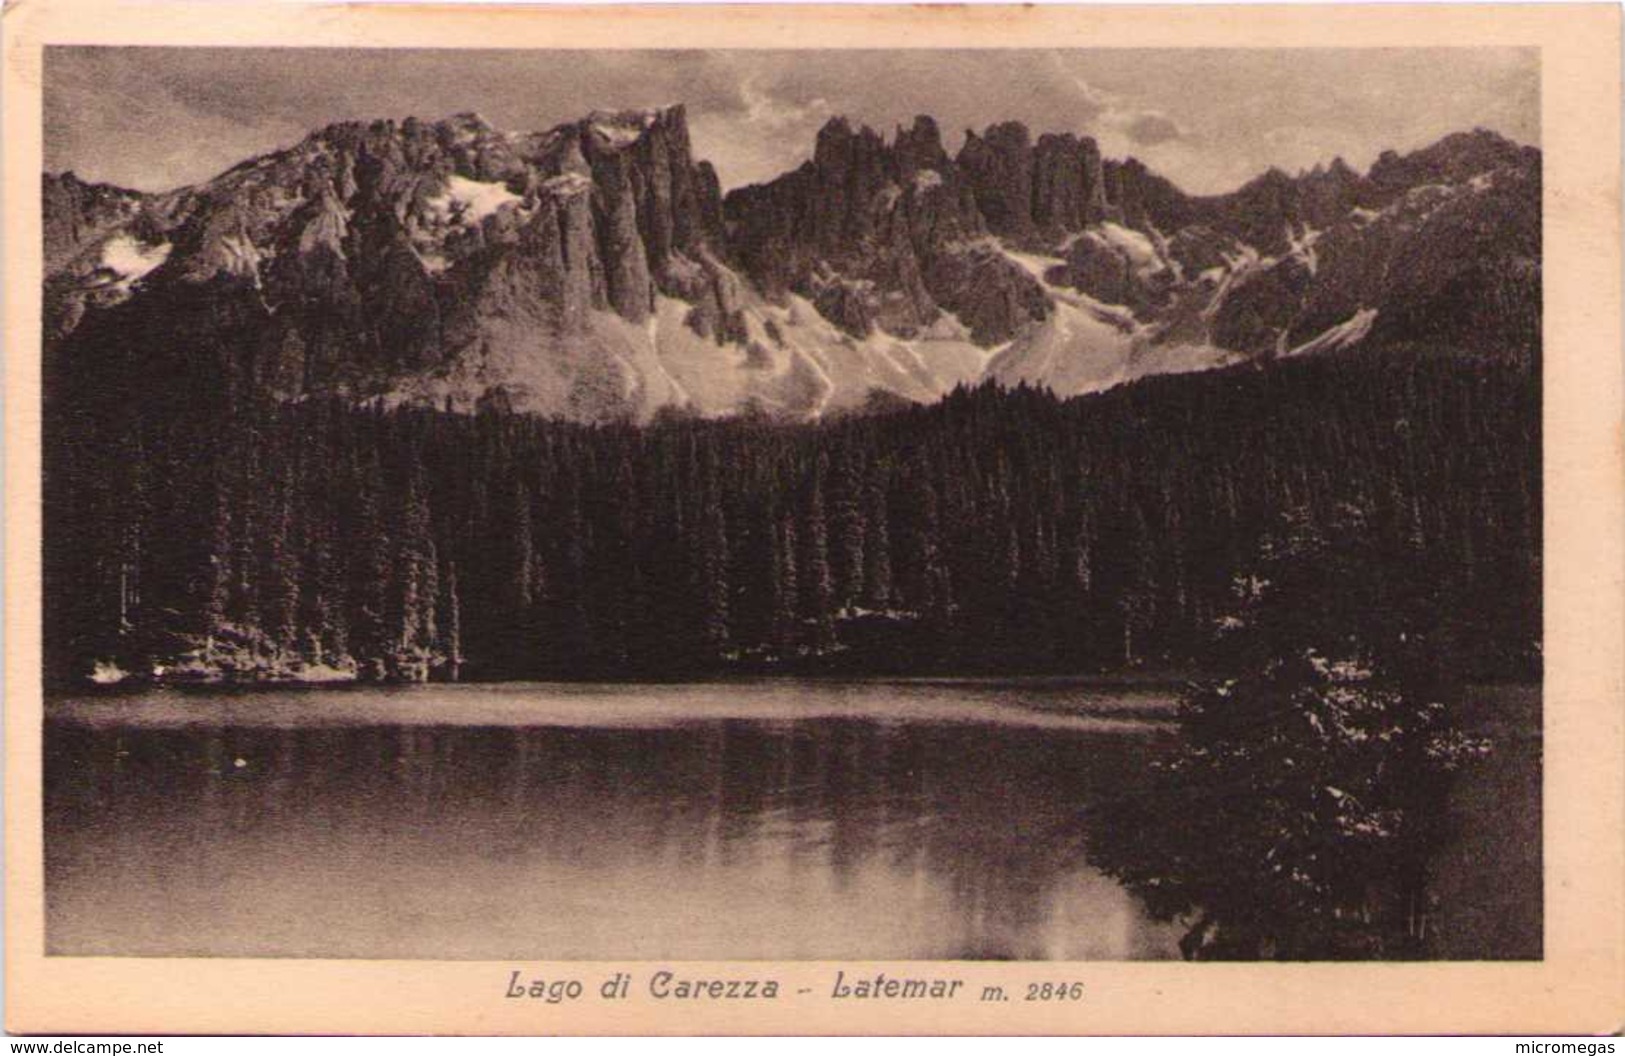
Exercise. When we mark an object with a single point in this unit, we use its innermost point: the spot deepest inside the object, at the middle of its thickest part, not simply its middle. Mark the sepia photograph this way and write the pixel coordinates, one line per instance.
(851, 502)
(881, 505)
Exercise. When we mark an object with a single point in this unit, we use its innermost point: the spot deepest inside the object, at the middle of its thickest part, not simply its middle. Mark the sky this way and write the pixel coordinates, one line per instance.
(1208, 119)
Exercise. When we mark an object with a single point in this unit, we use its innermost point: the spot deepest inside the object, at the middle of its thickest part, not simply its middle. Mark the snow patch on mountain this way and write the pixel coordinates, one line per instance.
(1136, 245)
(1033, 264)
(434, 262)
(1072, 352)
(471, 201)
(918, 368)
(1350, 331)
(1087, 345)
(1302, 246)
(327, 228)
(621, 128)
(1152, 358)
(607, 314)
(130, 260)
(1238, 266)
(1117, 315)
(567, 184)
(680, 394)
(790, 361)
(240, 257)
(467, 128)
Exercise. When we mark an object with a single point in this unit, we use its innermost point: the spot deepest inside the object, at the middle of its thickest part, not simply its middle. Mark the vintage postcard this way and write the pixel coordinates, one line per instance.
(796, 519)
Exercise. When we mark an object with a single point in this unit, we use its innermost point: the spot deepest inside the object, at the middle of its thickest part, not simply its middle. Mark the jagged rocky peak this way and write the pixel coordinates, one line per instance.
(1025, 188)
(1069, 191)
(98, 243)
(999, 164)
(860, 206)
(919, 146)
(451, 189)
(650, 153)
(595, 269)
(376, 251)
(1262, 210)
(1331, 189)
(860, 231)
(1340, 171)
(621, 128)
(1141, 199)
(77, 213)
(852, 169)
(838, 140)
(469, 124)
(859, 161)
(860, 158)
(1458, 156)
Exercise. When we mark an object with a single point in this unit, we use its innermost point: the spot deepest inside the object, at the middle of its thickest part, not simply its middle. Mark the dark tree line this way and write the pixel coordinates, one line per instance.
(1308, 793)
(203, 531)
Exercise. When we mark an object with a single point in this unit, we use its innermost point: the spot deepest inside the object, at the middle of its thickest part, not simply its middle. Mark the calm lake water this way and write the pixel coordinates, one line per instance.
(739, 821)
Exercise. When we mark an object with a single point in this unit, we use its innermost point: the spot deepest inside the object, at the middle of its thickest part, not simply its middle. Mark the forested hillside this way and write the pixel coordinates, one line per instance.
(194, 533)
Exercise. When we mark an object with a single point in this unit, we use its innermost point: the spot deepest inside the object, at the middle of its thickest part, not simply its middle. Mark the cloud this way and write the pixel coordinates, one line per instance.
(761, 135)
(150, 136)
(1207, 118)
(1151, 127)
(1113, 118)
(770, 114)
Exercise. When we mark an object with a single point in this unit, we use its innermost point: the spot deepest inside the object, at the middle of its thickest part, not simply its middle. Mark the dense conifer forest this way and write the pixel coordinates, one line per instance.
(196, 533)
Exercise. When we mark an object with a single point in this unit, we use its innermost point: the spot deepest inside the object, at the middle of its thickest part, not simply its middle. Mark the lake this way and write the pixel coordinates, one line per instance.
(748, 820)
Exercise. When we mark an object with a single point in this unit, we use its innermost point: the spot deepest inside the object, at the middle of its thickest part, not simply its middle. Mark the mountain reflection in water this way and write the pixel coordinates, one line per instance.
(877, 827)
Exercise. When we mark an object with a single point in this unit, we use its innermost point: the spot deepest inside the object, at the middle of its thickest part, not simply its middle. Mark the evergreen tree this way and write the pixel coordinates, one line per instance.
(712, 575)
(848, 530)
(415, 588)
(1332, 709)
(877, 564)
(817, 584)
(994, 531)
(786, 636)
(369, 548)
(450, 646)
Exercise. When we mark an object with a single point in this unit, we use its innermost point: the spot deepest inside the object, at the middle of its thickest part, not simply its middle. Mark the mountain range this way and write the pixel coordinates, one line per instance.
(597, 271)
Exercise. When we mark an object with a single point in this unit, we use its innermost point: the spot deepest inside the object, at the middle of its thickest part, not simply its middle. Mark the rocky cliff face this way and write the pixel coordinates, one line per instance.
(79, 216)
(1442, 246)
(444, 261)
(884, 236)
(77, 213)
(595, 270)
(1069, 185)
